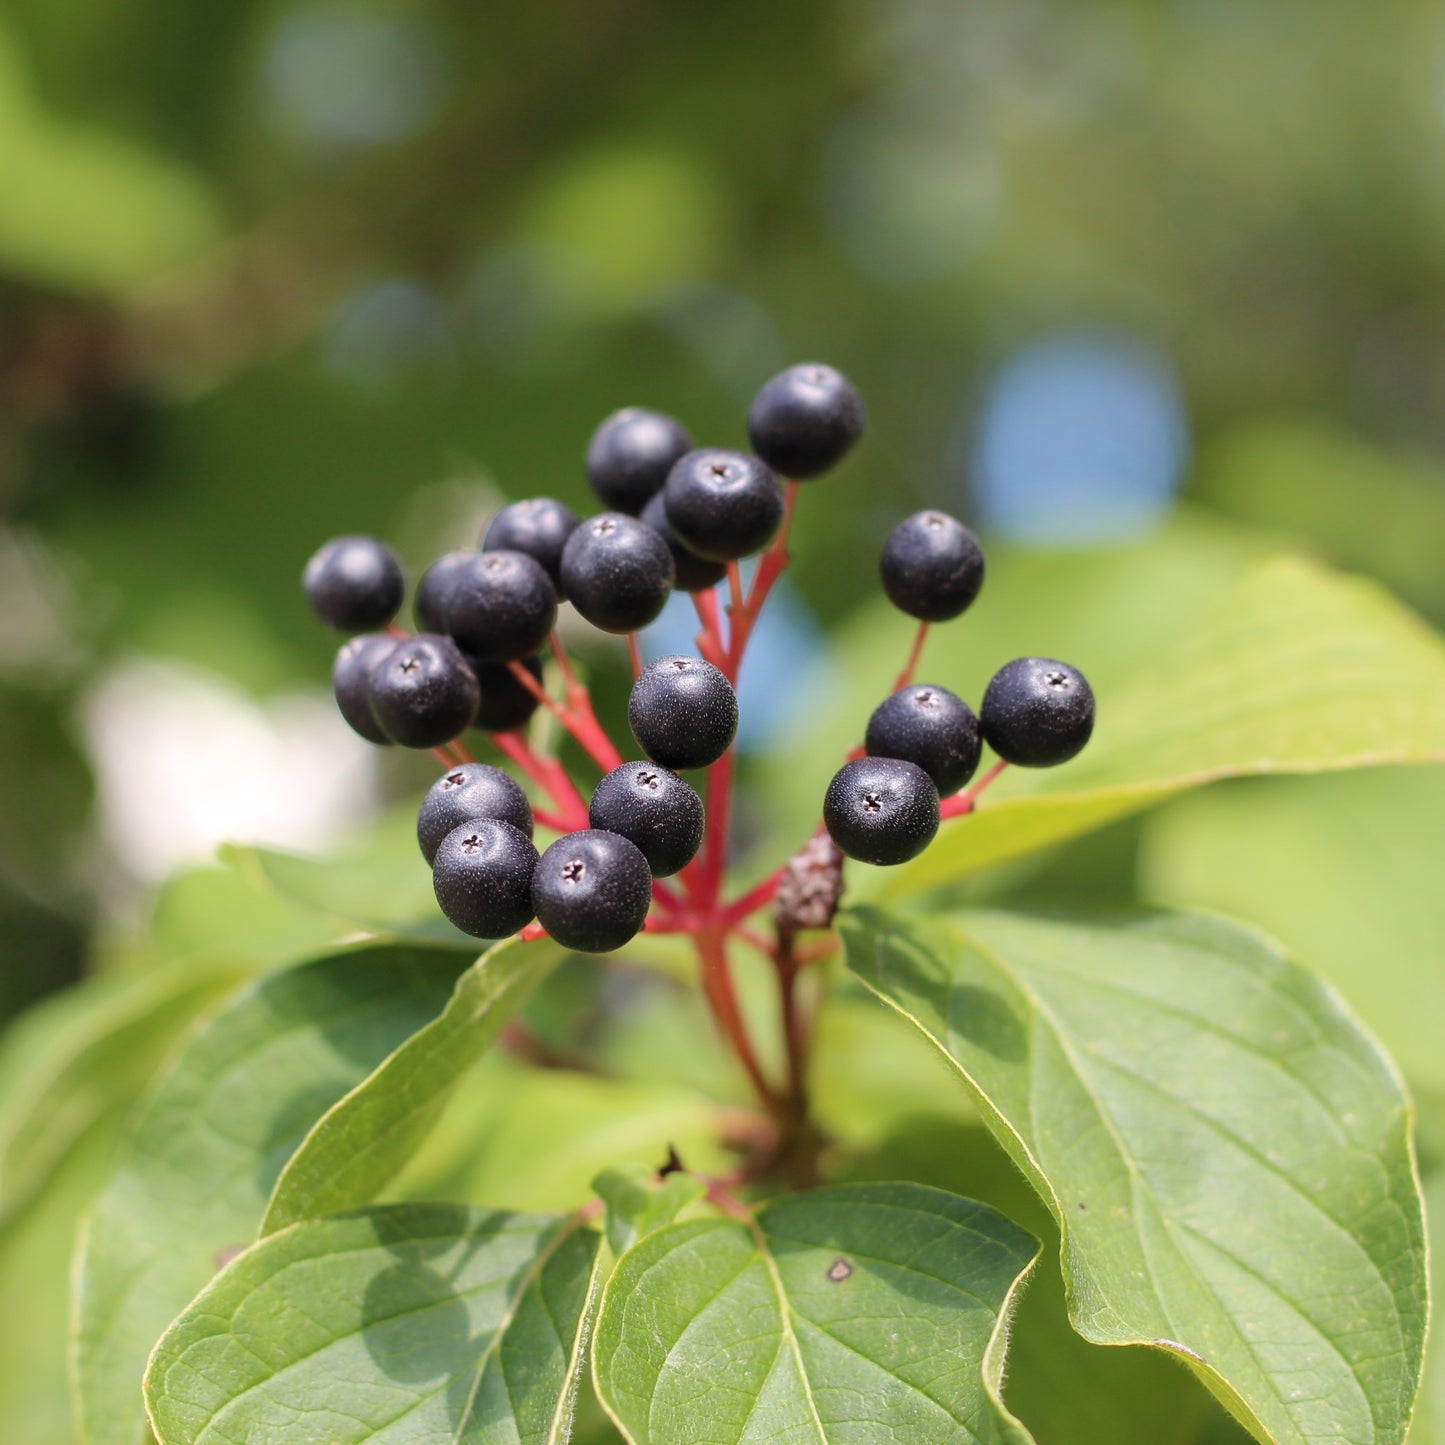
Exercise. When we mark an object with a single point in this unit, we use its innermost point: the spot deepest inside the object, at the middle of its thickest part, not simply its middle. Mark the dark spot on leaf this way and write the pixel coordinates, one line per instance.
(839, 1270)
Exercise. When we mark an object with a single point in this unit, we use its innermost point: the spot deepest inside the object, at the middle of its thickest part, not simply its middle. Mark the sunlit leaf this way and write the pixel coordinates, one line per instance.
(1227, 1154)
(858, 1313)
(364, 1139)
(193, 1179)
(408, 1322)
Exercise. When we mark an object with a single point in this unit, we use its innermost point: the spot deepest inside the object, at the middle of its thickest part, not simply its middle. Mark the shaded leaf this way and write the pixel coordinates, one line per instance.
(1297, 670)
(364, 1139)
(193, 1180)
(857, 1313)
(415, 1322)
(1226, 1152)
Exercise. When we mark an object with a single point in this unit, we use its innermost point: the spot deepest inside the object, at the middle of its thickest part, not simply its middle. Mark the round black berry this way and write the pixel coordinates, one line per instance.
(465, 793)
(500, 606)
(423, 692)
(427, 605)
(1037, 712)
(930, 726)
(351, 682)
(630, 455)
(482, 877)
(881, 810)
(683, 712)
(617, 572)
(592, 890)
(651, 806)
(932, 566)
(805, 420)
(354, 584)
(539, 527)
(693, 573)
(722, 505)
(506, 703)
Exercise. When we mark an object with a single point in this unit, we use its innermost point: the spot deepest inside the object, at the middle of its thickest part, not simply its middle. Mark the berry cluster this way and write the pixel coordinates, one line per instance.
(676, 517)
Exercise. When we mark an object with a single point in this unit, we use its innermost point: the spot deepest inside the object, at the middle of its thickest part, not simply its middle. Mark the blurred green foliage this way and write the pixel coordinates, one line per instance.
(275, 269)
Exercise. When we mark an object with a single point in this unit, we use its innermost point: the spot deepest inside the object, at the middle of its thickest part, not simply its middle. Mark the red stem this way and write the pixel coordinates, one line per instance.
(717, 987)
(774, 563)
(963, 803)
(634, 651)
(576, 716)
(709, 640)
(755, 898)
(911, 666)
(546, 773)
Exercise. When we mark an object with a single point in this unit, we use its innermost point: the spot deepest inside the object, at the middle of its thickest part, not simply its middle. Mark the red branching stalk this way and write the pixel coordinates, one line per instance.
(710, 639)
(915, 653)
(576, 714)
(634, 652)
(744, 614)
(963, 803)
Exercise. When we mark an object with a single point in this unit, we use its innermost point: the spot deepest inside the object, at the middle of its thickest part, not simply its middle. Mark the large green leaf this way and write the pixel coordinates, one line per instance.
(407, 1322)
(194, 1178)
(1226, 1152)
(860, 1313)
(1297, 670)
(364, 1139)
(1343, 870)
(86, 1053)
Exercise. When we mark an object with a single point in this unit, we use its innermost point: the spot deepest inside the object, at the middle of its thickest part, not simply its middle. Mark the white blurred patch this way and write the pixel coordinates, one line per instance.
(185, 761)
(40, 641)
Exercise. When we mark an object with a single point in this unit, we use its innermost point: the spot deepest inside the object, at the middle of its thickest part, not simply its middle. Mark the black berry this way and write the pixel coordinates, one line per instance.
(354, 584)
(630, 455)
(539, 527)
(805, 420)
(431, 591)
(351, 682)
(482, 876)
(881, 810)
(500, 606)
(423, 693)
(464, 794)
(683, 712)
(932, 566)
(1037, 712)
(651, 806)
(930, 726)
(692, 573)
(592, 890)
(506, 703)
(617, 572)
(723, 505)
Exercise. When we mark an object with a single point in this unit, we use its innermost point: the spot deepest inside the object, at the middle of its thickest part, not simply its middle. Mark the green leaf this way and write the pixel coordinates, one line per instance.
(1343, 870)
(1226, 1152)
(83, 1054)
(1428, 1426)
(1298, 670)
(857, 1313)
(194, 1179)
(638, 1202)
(364, 1139)
(408, 1322)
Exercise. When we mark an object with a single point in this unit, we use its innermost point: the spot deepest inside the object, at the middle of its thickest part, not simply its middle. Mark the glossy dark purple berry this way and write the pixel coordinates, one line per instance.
(506, 703)
(539, 527)
(500, 606)
(617, 572)
(806, 420)
(692, 573)
(723, 505)
(683, 712)
(630, 455)
(881, 810)
(426, 606)
(354, 584)
(592, 890)
(482, 877)
(423, 692)
(932, 566)
(351, 682)
(651, 806)
(464, 794)
(1037, 713)
(931, 726)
